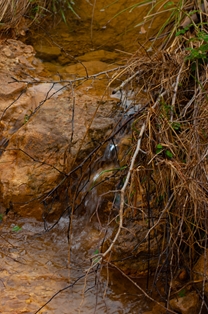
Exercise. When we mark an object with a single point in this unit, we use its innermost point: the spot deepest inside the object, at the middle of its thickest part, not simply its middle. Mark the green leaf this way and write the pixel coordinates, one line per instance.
(198, 53)
(71, 8)
(159, 148)
(168, 153)
(1, 217)
(176, 126)
(182, 293)
(168, 4)
(16, 228)
(183, 30)
(26, 118)
(202, 36)
(96, 259)
(63, 16)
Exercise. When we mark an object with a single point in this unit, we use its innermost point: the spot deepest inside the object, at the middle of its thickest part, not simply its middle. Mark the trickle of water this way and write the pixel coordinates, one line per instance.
(109, 153)
(127, 101)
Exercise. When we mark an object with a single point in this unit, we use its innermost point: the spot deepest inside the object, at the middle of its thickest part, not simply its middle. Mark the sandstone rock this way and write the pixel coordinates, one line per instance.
(16, 57)
(34, 160)
(9, 87)
(189, 304)
(47, 53)
(99, 55)
(200, 272)
(157, 309)
(43, 128)
(131, 250)
(15, 48)
(96, 85)
(89, 68)
(201, 267)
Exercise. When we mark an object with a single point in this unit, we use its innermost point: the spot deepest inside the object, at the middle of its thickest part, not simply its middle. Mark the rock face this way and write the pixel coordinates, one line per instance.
(44, 127)
(47, 53)
(189, 304)
(99, 55)
(201, 273)
(131, 252)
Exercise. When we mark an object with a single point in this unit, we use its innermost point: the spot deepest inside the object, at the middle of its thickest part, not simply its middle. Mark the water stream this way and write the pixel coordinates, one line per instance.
(40, 268)
(37, 266)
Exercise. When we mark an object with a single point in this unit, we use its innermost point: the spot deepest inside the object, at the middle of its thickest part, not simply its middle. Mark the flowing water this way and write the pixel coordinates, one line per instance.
(40, 268)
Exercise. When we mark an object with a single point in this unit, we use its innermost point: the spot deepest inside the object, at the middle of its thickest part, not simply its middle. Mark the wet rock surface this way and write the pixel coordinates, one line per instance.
(105, 25)
(100, 55)
(188, 304)
(47, 53)
(44, 127)
(132, 253)
(200, 272)
(36, 265)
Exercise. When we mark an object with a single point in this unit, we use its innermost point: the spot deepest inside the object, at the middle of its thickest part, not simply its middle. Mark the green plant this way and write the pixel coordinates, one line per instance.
(60, 6)
(183, 30)
(26, 118)
(168, 153)
(166, 109)
(160, 199)
(96, 259)
(12, 11)
(176, 126)
(182, 293)
(160, 148)
(16, 228)
(200, 51)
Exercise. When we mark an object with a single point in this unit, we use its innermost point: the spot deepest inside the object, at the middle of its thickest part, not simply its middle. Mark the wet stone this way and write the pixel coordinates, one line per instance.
(47, 53)
(8, 87)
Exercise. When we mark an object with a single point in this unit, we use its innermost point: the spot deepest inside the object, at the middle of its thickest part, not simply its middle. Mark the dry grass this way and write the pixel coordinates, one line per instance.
(164, 185)
(169, 158)
(12, 12)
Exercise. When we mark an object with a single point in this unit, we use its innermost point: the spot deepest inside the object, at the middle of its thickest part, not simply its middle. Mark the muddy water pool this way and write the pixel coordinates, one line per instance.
(39, 267)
